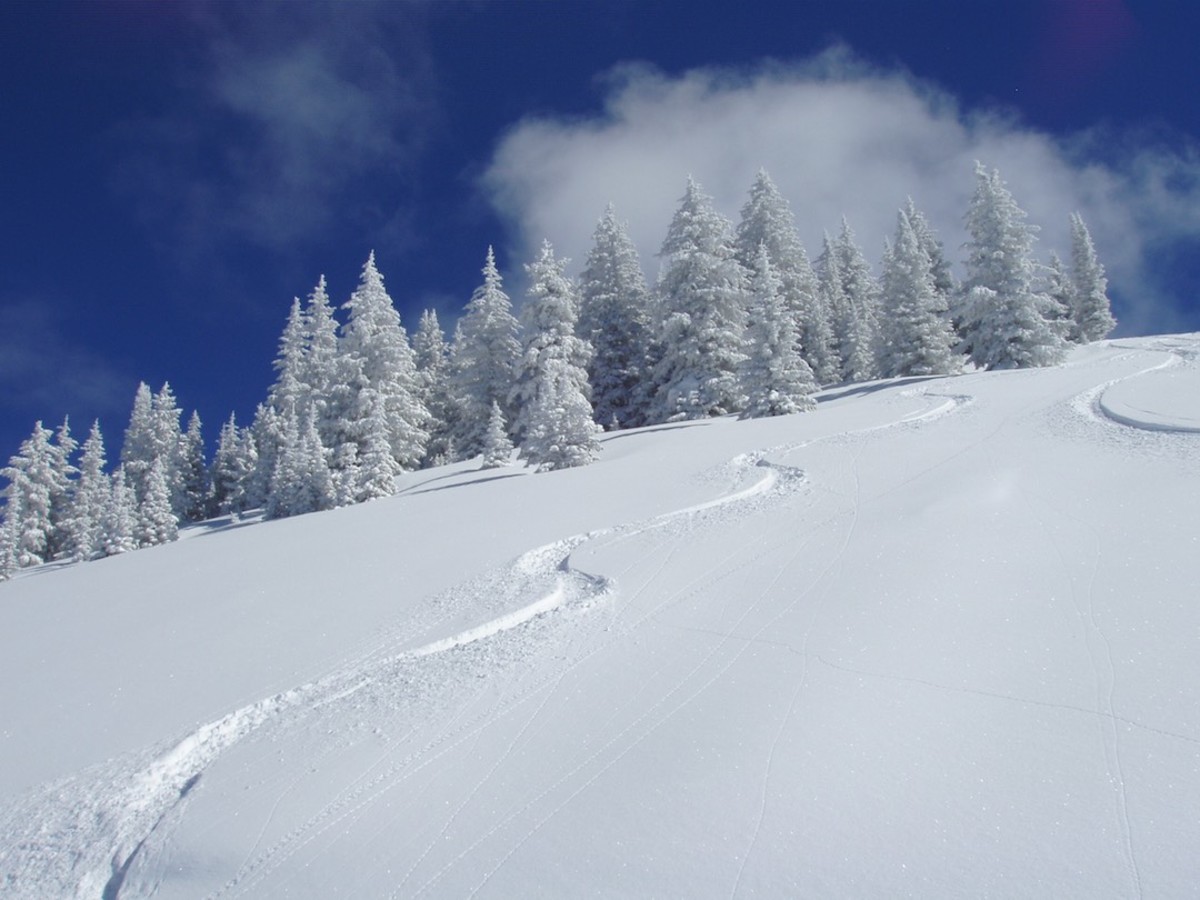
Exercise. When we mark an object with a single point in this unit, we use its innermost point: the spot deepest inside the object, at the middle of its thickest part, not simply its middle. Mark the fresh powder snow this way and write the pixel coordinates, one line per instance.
(936, 637)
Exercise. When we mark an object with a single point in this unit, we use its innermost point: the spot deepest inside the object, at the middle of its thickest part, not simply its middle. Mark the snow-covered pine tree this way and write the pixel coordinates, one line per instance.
(1056, 285)
(485, 350)
(10, 539)
(62, 448)
(917, 338)
(321, 370)
(548, 332)
(1003, 318)
(156, 519)
(943, 277)
(290, 388)
(120, 516)
(775, 377)
(267, 432)
(550, 385)
(375, 335)
(194, 474)
(833, 300)
(433, 373)
(33, 482)
(497, 446)
(767, 220)
(154, 433)
(233, 467)
(857, 326)
(301, 482)
(1090, 304)
(376, 468)
(91, 498)
(561, 431)
(702, 314)
(614, 317)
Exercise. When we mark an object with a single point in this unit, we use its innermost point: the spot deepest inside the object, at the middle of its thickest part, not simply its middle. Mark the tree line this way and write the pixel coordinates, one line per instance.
(740, 320)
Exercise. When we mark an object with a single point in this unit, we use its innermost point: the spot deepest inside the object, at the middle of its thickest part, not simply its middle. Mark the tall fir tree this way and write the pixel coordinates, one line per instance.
(194, 473)
(1056, 285)
(702, 314)
(90, 500)
(548, 332)
(550, 386)
(561, 432)
(497, 445)
(918, 338)
(614, 317)
(775, 377)
(234, 463)
(374, 334)
(485, 351)
(857, 325)
(1004, 319)
(433, 374)
(767, 220)
(1090, 305)
(156, 519)
(33, 482)
(120, 516)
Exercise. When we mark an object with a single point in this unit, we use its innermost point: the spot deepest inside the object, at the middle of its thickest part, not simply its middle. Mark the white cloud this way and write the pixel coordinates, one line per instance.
(839, 138)
(290, 109)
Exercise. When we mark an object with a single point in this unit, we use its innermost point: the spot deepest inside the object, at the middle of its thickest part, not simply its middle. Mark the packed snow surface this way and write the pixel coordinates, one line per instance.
(938, 637)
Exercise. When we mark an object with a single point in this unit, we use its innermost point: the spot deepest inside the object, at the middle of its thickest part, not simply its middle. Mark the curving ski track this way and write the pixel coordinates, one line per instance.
(107, 815)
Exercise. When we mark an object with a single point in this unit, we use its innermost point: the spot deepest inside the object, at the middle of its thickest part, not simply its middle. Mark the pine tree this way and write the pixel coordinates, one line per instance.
(154, 434)
(1056, 285)
(857, 324)
(233, 467)
(548, 332)
(322, 362)
(33, 483)
(497, 447)
(767, 220)
(10, 539)
(290, 388)
(943, 277)
(301, 482)
(835, 304)
(120, 516)
(614, 317)
(62, 491)
(433, 373)
(485, 350)
(1091, 307)
(194, 473)
(918, 339)
(702, 300)
(156, 520)
(374, 335)
(86, 528)
(561, 432)
(1003, 317)
(375, 468)
(775, 377)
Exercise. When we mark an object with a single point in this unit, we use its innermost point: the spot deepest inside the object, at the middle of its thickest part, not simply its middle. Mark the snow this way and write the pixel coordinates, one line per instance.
(936, 637)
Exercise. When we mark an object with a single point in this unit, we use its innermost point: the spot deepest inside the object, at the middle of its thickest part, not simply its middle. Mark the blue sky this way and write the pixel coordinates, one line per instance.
(174, 173)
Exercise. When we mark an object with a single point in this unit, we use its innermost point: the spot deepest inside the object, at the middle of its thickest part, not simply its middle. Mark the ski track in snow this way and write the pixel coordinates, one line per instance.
(102, 818)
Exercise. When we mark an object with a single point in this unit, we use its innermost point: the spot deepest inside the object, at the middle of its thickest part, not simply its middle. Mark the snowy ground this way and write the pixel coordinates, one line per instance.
(936, 638)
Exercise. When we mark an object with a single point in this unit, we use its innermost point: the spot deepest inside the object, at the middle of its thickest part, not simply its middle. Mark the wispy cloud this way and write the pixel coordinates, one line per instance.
(841, 137)
(289, 109)
(44, 373)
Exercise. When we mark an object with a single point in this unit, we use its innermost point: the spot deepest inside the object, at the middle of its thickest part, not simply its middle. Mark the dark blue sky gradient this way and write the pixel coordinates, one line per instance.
(150, 232)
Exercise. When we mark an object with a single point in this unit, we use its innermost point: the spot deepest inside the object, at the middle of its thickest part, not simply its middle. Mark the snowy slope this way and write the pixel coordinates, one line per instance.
(937, 637)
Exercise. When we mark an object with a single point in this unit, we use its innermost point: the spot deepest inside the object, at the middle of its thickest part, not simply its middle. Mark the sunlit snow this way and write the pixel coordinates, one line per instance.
(937, 637)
